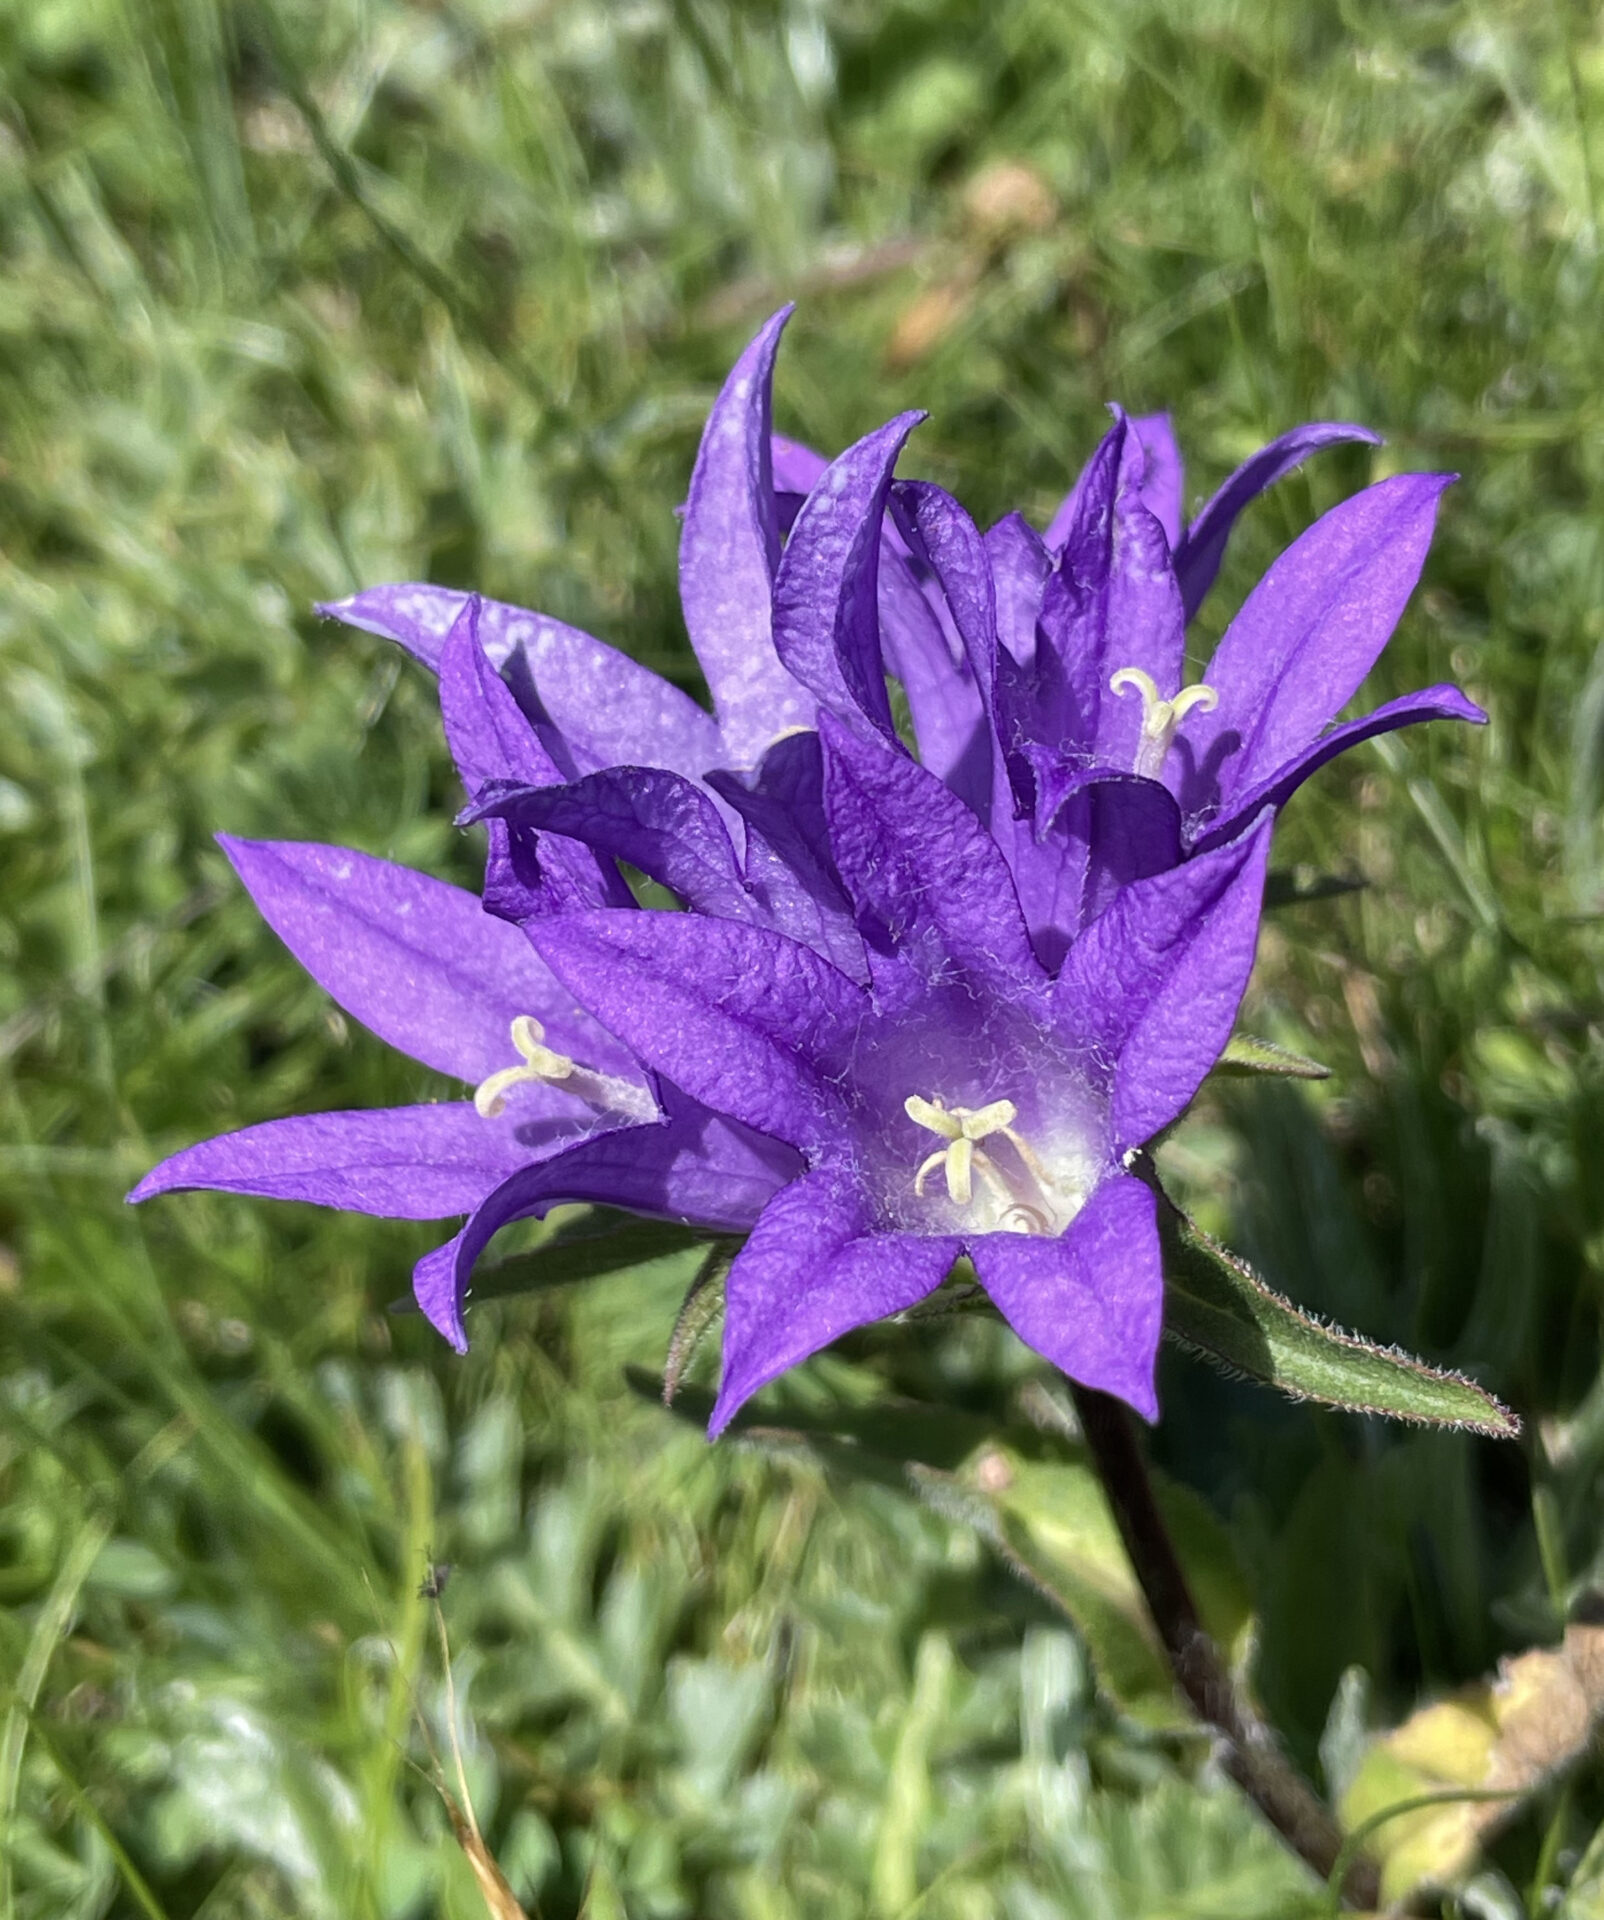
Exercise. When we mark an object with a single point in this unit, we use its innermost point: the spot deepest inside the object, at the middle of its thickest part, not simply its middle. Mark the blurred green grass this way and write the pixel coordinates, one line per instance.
(298, 297)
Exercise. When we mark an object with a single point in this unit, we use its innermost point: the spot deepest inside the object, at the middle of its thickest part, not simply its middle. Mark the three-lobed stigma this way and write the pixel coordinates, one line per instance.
(546, 1068)
(1019, 1184)
(1160, 717)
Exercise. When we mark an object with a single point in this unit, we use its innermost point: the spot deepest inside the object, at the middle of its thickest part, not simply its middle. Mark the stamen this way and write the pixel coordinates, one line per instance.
(1160, 717)
(540, 1064)
(1022, 1196)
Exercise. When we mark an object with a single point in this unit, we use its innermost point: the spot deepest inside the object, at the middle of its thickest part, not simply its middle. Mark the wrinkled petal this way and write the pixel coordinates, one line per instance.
(607, 708)
(1112, 603)
(729, 551)
(645, 815)
(812, 1271)
(1430, 703)
(418, 962)
(1091, 1301)
(1095, 833)
(1309, 633)
(736, 1015)
(492, 741)
(927, 880)
(1129, 471)
(693, 1168)
(826, 595)
(1164, 477)
(1201, 549)
(944, 702)
(789, 865)
(402, 1163)
(487, 731)
(942, 535)
(1149, 993)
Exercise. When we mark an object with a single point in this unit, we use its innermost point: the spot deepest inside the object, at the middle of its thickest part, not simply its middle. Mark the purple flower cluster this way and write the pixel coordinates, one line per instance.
(914, 1007)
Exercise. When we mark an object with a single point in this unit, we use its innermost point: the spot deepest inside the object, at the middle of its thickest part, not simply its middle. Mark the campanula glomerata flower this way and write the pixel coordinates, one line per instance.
(914, 1009)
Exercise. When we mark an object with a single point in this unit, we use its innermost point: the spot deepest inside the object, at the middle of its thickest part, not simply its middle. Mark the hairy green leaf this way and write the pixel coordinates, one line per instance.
(1245, 1054)
(700, 1312)
(1218, 1306)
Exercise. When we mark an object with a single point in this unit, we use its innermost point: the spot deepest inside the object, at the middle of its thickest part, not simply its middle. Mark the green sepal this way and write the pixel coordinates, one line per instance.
(700, 1311)
(1245, 1053)
(1217, 1306)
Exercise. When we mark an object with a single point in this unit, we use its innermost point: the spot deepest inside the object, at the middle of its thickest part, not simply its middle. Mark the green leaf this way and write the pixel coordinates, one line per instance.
(1296, 886)
(602, 1242)
(700, 1312)
(1246, 1054)
(1218, 1306)
(1038, 1503)
(1050, 1522)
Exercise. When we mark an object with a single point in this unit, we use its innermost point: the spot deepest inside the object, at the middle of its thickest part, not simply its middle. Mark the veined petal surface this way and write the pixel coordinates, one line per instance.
(690, 1167)
(1092, 1300)
(1309, 633)
(402, 1163)
(813, 1270)
(418, 962)
(610, 710)
(737, 1016)
(1149, 993)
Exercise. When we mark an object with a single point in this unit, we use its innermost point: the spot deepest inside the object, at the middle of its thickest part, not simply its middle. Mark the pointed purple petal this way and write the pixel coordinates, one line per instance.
(645, 815)
(609, 709)
(403, 1163)
(1125, 446)
(1200, 550)
(1152, 988)
(735, 1015)
(693, 1168)
(1020, 564)
(729, 550)
(813, 1270)
(1091, 1301)
(923, 873)
(826, 620)
(1430, 703)
(1164, 482)
(1310, 631)
(416, 961)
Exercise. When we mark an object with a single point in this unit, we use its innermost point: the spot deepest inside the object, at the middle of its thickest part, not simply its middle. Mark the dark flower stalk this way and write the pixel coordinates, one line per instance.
(1250, 1752)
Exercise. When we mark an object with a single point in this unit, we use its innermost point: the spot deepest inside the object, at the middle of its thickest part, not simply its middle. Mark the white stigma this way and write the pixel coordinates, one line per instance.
(1160, 717)
(1023, 1191)
(541, 1064)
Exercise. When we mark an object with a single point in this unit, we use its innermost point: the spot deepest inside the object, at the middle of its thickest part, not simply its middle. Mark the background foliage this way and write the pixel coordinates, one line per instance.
(296, 297)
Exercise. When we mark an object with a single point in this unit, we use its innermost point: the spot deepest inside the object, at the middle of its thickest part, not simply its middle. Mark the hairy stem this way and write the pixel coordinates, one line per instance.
(1252, 1755)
